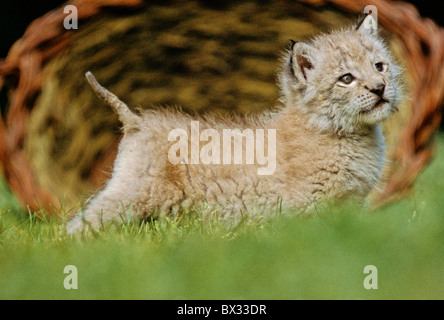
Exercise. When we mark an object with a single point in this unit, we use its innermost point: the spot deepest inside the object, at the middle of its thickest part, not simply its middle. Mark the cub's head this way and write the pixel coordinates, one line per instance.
(344, 81)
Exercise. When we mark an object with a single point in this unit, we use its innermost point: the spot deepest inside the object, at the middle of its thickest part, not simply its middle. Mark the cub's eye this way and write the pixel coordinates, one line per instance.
(380, 67)
(347, 78)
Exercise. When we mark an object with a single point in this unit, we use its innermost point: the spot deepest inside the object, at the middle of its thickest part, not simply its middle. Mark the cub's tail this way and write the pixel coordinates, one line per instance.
(126, 116)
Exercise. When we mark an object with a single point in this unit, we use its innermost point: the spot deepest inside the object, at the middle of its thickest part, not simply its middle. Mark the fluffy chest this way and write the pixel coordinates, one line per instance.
(333, 167)
(359, 162)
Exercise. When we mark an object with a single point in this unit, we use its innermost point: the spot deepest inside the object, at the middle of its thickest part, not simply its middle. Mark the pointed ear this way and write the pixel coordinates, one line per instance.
(300, 60)
(368, 24)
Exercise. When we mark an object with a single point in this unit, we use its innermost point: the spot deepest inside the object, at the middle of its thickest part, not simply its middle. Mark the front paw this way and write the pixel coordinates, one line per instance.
(76, 225)
(79, 224)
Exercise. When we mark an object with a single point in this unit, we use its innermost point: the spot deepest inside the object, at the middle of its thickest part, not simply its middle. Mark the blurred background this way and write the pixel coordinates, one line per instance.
(16, 15)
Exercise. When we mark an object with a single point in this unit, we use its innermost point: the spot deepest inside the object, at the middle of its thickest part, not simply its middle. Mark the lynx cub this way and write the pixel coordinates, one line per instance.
(335, 91)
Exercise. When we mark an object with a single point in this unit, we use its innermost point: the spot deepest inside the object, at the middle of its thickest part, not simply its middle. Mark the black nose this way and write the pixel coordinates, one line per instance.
(379, 90)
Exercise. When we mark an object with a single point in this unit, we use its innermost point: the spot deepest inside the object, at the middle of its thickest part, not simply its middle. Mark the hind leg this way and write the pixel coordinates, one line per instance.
(115, 203)
(110, 205)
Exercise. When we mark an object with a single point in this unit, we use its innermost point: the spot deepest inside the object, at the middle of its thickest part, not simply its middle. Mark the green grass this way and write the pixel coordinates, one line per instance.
(282, 258)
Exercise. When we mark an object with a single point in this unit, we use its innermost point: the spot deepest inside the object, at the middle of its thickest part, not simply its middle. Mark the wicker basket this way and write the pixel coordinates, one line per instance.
(58, 141)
